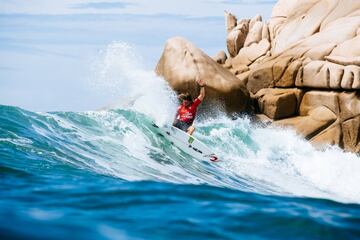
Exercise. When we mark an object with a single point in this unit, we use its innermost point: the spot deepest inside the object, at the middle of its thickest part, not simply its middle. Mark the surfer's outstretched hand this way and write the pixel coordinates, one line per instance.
(200, 81)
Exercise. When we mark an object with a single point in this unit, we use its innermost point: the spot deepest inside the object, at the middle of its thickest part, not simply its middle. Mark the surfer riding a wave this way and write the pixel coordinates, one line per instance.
(186, 112)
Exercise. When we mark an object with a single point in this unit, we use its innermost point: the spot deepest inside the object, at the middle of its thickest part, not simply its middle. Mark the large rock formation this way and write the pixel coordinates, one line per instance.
(181, 62)
(302, 67)
(314, 50)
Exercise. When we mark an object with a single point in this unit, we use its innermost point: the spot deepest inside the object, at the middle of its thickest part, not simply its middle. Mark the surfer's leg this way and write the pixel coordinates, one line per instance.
(190, 130)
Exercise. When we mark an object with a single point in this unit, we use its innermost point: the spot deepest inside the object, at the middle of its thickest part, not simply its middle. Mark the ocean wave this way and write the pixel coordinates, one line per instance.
(122, 144)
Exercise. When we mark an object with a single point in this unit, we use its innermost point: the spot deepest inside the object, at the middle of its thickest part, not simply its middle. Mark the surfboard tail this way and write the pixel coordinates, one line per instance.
(212, 157)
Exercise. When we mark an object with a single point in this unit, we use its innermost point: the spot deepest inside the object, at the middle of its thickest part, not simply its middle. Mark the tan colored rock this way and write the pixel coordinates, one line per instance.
(291, 8)
(289, 76)
(181, 62)
(314, 99)
(343, 9)
(348, 49)
(265, 32)
(274, 27)
(260, 60)
(280, 66)
(220, 57)
(247, 55)
(236, 38)
(255, 34)
(264, 73)
(231, 21)
(320, 52)
(322, 21)
(351, 78)
(349, 104)
(299, 27)
(261, 76)
(351, 134)
(330, 136)
(309, 126)
(338, 32)
(243, 77)
(278, 103)
(321, 74)
(314, 44)
(343, 60)
(228, 63)
(256, 18)
(238, 69)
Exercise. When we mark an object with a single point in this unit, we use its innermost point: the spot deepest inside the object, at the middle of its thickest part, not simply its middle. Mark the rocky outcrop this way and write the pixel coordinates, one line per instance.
(278, 103)
(236, 37)
(328, 75)
(220, 57)
(313, 47)
(315, 122)
(302, 68)
(181, 62)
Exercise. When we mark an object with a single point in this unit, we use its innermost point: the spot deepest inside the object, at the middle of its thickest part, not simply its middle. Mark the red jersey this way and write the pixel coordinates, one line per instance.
(187, 114)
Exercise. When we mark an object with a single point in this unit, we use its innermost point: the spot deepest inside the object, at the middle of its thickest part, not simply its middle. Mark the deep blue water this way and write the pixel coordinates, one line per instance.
(106, 175)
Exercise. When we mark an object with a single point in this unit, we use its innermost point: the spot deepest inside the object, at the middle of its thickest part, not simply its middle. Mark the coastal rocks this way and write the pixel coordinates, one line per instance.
(220, 57)
(236, 38)
(181, 62)
(351, 134)
(314, 99)
(314, 123)
(315, 46)
(301, 25)
(330, 136)
(231, 21)
(255, 33)
(343, 60)
(328, 118)
(349, 104)
(278, 103)
(249, 54)
(322, 74)
(288, 77)
(302, 68)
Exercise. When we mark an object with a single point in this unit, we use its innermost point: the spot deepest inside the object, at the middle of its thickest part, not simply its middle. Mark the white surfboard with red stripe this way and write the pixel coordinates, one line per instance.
(187, 143)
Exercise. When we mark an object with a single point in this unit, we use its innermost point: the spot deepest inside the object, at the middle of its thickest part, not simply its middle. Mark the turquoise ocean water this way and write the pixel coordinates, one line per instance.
(107, 175)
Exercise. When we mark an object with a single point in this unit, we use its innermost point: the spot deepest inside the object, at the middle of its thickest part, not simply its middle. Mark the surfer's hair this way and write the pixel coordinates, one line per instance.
(185, 96)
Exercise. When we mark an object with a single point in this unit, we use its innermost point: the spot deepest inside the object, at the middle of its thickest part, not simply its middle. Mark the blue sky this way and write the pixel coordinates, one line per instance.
(48, 48)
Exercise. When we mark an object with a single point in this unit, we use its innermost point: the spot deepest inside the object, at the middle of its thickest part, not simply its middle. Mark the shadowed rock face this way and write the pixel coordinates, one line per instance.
(181, 62)
(302, 68)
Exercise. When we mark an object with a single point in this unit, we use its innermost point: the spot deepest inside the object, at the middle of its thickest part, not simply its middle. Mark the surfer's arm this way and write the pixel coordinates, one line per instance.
(202, 89)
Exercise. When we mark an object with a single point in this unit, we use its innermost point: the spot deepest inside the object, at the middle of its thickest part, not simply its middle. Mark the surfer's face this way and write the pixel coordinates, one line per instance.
(186, 103)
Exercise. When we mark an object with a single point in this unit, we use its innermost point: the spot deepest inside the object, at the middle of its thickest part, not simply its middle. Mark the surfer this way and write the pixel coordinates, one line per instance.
(186, 112)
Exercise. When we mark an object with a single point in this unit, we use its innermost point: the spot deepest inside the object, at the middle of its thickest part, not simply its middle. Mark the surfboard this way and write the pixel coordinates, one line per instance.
(187, 143)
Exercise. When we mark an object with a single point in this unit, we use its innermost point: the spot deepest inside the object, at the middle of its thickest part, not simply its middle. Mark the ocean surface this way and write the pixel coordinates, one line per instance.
(107, 175)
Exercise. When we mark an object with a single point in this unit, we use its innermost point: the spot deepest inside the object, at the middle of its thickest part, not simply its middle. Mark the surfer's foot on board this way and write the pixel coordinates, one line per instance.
(190, 130)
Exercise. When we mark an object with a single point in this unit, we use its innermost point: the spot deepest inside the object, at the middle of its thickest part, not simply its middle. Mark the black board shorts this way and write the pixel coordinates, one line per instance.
(182, 125)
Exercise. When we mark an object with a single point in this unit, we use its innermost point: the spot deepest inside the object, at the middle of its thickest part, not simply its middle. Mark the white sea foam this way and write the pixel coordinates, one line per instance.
(121, 74)
(284, 163)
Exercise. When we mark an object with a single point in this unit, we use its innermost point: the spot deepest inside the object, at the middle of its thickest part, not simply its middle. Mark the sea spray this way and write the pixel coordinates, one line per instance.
(120, 72)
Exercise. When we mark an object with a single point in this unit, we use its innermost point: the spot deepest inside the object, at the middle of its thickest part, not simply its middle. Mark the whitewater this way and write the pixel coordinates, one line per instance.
(62, 168)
